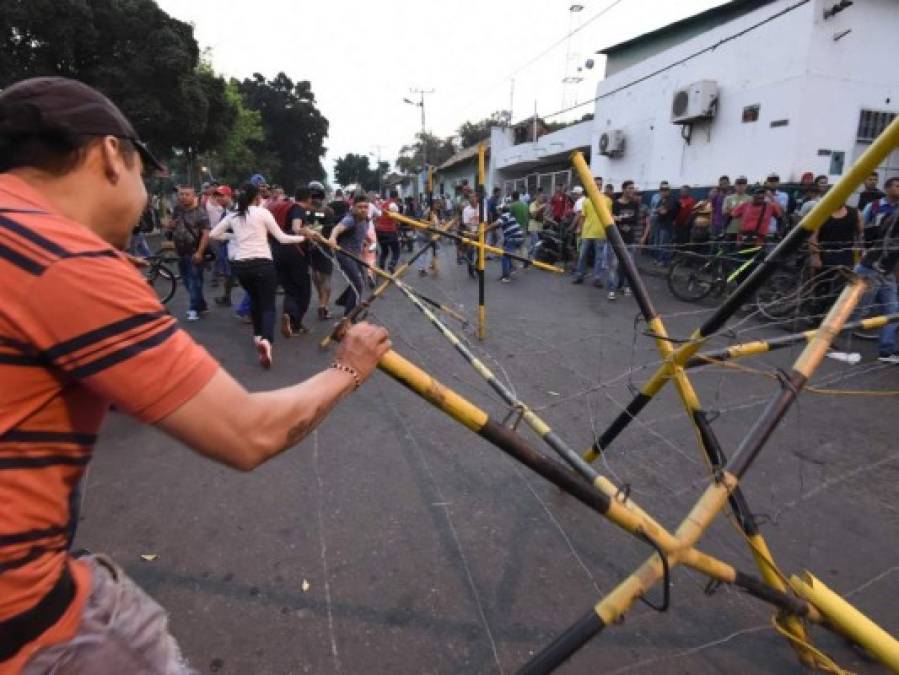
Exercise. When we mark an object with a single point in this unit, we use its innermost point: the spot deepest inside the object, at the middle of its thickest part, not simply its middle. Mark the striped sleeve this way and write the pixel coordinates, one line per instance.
(96, 321)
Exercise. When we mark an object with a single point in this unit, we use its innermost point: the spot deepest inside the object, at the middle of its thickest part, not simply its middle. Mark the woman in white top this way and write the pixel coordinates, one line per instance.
(249, 228)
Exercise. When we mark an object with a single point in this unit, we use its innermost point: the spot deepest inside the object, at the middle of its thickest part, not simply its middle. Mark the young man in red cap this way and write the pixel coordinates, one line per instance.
(80, 330)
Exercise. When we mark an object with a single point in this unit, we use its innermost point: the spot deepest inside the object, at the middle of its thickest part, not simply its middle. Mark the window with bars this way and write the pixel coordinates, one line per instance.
(871, 123)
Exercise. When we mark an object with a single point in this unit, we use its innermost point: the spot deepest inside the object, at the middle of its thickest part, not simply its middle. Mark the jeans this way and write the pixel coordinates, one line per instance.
(192, 278)
(245, 306)
(881, 298)
(664, 238)
(617, 279)
(597, 246)
(352, 294)
(222, 267)
(139, 246)
(506, 261)
(258, 278)
(292, 268)
(426, 258)
(388, 242)
(533, 238)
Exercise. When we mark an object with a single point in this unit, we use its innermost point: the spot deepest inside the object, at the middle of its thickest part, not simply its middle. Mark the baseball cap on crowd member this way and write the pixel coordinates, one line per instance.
(61, 109)
(223, 190)
(742, 180)
(773, 177)
(577, 190)
(258, 180)
(757, 190)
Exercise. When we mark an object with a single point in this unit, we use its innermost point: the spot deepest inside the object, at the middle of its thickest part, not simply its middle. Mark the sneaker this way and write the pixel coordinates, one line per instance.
(264, 350)
(611, 295)
(286, 330)
(505, 280)
(192, 315)
(627, 292)
(889, 358)
(597, 283)
(422, 273)
(323, 313)
(577, 280)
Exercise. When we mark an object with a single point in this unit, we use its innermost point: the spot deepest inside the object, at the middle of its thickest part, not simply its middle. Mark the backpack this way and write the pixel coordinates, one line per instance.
(279, 210)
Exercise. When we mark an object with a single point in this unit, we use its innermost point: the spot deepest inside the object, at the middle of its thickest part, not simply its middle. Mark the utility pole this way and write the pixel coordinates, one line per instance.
(421, 104)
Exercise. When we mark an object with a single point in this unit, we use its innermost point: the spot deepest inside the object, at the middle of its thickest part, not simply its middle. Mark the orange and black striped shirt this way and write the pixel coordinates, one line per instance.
(79, 329)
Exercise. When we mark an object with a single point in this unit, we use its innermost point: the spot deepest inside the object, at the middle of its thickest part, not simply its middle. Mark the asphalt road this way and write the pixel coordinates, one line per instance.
(393, 540)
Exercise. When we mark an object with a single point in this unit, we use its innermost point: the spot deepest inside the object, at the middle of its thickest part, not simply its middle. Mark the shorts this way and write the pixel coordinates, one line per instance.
(319, 262)
(123, 630)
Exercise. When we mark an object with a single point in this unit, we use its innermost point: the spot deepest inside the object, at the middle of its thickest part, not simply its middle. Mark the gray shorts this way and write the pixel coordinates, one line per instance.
(123, 630)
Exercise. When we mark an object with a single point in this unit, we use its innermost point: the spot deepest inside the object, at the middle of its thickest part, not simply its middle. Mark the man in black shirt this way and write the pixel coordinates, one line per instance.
(665, 213)
(626, 212)
(292, 266)
(870, 193)
(320, 265)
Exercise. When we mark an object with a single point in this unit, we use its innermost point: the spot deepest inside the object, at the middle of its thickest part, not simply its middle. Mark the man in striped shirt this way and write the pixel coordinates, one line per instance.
(79, 330)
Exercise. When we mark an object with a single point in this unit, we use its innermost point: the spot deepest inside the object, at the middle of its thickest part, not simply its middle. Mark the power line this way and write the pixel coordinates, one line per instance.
(679, 62)
(540, 55)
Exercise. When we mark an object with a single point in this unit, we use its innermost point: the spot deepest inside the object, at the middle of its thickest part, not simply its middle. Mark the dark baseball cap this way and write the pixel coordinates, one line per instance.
(60, 104)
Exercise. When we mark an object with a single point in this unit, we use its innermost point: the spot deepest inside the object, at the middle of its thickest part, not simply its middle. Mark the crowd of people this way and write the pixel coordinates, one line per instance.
(263, 239)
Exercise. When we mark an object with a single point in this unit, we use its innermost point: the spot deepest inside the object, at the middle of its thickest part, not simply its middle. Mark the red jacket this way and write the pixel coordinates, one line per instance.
(384, 223)
(685, 212)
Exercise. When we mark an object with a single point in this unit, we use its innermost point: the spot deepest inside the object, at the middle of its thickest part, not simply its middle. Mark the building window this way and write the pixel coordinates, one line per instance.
(751, 113)
(871, 123)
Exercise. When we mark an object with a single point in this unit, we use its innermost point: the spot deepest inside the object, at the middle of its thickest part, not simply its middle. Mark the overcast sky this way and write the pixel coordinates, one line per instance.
(363, 57)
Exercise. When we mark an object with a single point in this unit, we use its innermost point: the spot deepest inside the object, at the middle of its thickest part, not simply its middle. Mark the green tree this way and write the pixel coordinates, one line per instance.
(472, 133)
(139, 56)
(353, 168)
(294, 128)
(411, 157)
(235, 160)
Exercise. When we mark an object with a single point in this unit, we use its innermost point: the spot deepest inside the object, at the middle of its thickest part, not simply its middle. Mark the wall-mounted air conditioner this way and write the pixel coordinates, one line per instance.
(697, 101)
(611, 143)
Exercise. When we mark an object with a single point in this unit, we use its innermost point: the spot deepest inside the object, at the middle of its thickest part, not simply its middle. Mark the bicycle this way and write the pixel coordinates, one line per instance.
(694, 276)
(161, 277)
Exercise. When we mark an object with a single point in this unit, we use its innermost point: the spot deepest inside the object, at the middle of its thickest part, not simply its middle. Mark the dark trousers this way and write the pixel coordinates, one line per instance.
(192, 278)
(258, 278)
(292, 269)
(388, 242)
(352, 293)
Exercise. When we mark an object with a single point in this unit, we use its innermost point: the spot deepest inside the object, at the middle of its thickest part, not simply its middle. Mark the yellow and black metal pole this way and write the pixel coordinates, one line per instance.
(615, 604)
(882, 146)
(755, 347)
(482, 210)
(473, 242)
(358, 311)
(705, 436)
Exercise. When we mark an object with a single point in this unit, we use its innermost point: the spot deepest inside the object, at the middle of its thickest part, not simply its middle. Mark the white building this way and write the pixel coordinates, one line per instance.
(759, 86)
(528, 156)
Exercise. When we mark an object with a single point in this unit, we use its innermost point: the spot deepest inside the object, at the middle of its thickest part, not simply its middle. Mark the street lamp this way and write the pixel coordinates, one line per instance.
(421, 104)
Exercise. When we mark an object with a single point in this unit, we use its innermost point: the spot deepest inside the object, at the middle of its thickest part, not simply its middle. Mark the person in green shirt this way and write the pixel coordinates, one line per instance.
(731, 202)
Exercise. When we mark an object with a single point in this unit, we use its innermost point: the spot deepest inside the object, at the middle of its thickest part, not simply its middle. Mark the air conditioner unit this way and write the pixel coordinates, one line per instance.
(611, 143)
(696, 101)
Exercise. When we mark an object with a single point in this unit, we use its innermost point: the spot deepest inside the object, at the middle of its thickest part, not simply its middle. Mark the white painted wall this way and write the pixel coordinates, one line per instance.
(791, 67)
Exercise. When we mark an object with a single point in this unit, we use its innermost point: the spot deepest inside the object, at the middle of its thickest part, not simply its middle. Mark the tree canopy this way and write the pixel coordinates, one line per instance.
(353, 168)
(150, 65)
(471, 133)
(411, 157)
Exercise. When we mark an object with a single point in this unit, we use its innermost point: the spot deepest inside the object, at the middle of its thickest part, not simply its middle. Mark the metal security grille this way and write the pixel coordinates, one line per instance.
(871, 123)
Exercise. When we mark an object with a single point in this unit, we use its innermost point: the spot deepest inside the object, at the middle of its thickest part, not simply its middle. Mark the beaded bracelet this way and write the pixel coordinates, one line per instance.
(337, 365)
